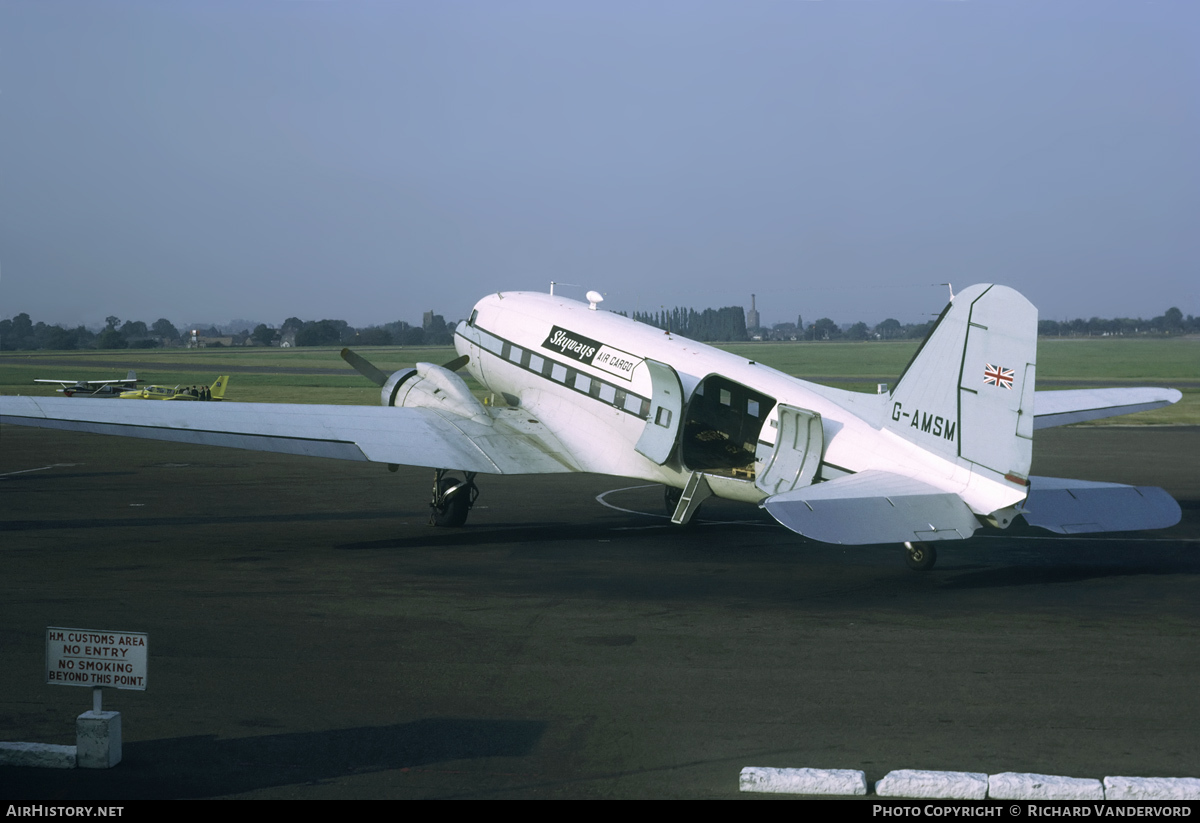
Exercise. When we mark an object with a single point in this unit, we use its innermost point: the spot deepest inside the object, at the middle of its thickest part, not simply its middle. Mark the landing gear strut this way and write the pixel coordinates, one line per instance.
(920, 557)
(452, 498)
(671, 497)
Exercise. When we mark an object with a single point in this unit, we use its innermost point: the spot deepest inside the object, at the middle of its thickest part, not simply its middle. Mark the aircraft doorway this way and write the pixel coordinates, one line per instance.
(722, 423)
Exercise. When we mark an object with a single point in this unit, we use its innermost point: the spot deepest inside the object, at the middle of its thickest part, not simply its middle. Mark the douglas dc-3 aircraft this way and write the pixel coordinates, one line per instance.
(947, 450)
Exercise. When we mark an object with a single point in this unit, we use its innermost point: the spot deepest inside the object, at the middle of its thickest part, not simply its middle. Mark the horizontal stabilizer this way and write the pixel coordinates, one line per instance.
(873, 507)
(1082, 506)
(1061, 408)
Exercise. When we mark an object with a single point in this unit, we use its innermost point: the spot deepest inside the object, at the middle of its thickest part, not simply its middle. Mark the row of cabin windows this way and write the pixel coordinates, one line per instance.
(571, 378)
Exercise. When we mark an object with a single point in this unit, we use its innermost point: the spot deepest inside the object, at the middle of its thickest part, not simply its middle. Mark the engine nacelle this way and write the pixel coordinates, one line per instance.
(387, 395)
(432, 386)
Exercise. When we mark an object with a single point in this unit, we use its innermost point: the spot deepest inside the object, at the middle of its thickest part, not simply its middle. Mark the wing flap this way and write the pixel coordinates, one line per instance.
(1061, 408)
(1083, 506)
(410, 436)
(873, 507)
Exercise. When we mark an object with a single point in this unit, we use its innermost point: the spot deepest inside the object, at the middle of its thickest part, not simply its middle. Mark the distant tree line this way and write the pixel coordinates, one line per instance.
(826, 329)
(22, 334)
(710, 325)
(1169, 322)
(729, 325)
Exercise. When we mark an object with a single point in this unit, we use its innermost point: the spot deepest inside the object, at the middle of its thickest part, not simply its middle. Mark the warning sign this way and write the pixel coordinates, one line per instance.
(84, 657)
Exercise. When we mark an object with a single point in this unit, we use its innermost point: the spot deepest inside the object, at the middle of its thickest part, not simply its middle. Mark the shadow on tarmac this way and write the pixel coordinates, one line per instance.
(203, 766)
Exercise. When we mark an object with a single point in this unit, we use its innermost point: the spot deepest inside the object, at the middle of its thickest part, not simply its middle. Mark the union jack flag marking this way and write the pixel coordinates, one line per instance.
(998, 376)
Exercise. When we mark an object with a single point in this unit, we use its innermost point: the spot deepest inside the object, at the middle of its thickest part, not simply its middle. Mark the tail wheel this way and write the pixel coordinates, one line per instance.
(920, 557)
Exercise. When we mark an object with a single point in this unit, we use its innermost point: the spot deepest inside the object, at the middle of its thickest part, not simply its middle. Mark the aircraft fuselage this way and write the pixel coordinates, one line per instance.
(596, 380)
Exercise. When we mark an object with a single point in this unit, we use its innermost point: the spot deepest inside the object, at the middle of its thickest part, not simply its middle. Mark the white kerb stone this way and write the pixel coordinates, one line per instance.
(919, 783)
(1151, 788)
(40, 755)
(1020, 786)
(803, 781)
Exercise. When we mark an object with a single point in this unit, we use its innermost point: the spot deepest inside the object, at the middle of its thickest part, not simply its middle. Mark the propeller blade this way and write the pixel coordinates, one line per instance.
(457, 363)
(364, 368)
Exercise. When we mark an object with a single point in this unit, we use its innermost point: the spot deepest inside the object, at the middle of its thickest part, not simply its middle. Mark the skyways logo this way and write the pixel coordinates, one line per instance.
(573, 345)
(614, 361)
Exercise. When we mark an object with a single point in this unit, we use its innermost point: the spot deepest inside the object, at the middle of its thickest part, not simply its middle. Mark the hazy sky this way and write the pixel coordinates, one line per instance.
(202, 160)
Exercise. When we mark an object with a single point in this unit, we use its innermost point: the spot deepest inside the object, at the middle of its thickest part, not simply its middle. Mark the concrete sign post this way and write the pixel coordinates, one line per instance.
(97, 659)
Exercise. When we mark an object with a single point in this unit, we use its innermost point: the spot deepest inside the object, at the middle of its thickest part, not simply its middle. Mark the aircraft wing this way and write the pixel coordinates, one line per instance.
(121, 381)
(1060, 408)
(513, 443)
(873, 507)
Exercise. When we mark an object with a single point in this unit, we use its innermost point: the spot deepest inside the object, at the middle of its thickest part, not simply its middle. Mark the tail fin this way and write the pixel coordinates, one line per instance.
(968, 391)
(217, 389)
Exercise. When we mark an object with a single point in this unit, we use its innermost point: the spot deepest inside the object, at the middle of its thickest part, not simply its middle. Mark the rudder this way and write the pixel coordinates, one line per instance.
(968, 391)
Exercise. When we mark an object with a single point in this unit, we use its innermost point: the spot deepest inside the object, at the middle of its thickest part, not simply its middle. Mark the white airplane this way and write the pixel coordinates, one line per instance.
(944, 452)
(94, 388)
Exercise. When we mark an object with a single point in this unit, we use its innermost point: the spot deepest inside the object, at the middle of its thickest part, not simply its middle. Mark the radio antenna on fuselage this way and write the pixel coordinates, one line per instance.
(554, 283)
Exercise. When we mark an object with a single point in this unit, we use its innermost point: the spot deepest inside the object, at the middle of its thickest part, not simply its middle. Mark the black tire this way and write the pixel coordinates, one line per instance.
(453, 511)
(920, 557)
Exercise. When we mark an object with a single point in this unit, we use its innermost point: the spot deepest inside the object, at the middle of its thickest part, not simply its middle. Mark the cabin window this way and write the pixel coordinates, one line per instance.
(583, 382)
(608, 393)
(633, 404)
(515, 354)
(535, 363)
(559, 372)
(663, 418)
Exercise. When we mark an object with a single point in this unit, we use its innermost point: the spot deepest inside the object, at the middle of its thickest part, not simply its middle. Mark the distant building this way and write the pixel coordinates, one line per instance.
(752, 316)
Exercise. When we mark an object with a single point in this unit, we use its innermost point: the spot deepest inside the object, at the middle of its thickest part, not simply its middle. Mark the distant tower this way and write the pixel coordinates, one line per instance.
(752, 315)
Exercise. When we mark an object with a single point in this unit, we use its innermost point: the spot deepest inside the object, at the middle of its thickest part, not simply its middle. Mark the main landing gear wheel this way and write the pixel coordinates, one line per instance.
(920, 557)
(452, 499)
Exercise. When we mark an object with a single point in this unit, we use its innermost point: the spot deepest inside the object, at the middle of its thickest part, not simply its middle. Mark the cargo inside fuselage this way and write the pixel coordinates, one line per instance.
(722, 423)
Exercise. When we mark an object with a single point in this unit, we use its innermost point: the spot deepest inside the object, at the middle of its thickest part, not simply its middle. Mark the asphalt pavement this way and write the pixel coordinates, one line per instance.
(312, 637)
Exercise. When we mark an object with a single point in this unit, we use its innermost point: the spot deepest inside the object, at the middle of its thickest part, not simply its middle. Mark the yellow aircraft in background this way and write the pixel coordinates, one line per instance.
(214, 392)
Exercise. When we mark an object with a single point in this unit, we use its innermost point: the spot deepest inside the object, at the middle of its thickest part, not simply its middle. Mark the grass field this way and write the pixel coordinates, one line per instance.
(261, 375)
